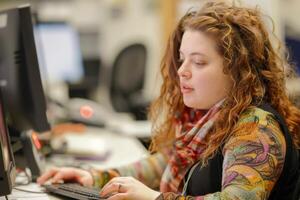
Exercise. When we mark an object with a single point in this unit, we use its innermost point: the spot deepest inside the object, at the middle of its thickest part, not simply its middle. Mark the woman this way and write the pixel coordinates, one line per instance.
(218, 133)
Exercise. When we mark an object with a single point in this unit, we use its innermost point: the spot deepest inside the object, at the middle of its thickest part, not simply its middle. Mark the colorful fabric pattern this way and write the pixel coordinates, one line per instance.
(253, 161)
(187, 150)
(148, 170)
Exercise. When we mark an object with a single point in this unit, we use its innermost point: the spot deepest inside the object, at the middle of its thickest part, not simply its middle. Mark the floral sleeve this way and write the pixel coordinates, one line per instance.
(253, 161)
(147, 170)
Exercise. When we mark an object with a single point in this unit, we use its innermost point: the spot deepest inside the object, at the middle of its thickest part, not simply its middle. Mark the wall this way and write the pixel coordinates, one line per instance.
(108, 26)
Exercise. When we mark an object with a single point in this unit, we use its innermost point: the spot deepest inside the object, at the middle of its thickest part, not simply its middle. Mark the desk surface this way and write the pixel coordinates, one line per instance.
(122, 150)
(112, 149)
(21, 195)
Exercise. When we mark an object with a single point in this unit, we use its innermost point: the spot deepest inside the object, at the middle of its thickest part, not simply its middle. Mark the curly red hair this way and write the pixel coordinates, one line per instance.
(254, 65)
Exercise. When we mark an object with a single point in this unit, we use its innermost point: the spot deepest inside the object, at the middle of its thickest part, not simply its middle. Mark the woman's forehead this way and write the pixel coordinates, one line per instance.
(196, 42)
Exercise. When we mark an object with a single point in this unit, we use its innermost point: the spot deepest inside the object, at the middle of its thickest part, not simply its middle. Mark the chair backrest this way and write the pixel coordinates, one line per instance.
(128, 74)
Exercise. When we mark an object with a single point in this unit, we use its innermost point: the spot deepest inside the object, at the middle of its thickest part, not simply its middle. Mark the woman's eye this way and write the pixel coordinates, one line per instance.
(199, 63)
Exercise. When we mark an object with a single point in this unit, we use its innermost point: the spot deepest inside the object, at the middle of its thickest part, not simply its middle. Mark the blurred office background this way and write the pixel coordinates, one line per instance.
(109, 51)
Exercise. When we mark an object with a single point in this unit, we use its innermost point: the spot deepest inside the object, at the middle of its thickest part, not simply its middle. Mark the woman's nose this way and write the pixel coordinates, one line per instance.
(183, 71)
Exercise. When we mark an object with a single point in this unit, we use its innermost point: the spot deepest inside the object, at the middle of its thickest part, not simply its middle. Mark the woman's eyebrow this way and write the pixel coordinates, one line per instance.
(193, 53)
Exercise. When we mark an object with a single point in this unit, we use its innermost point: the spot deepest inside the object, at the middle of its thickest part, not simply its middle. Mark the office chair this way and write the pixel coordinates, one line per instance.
(127, 81)
(88, 85)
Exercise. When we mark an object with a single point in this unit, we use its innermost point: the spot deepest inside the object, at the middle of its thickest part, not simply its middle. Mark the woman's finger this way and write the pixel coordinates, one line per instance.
(59, 176)
(113, 180)
(114, 187)
(47, 175)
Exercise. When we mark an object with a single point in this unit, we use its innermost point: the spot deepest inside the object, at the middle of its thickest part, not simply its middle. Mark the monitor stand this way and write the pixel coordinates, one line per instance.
(27, 154)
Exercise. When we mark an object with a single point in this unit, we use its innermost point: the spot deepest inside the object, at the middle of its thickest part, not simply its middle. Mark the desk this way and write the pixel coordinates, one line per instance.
(123, 150)
(19, 195)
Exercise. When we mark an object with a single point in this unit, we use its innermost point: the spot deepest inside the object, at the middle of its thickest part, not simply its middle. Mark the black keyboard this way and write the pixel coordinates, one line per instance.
(74, 191)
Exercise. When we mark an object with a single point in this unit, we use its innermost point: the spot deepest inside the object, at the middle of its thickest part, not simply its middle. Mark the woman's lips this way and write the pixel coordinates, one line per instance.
(186, 89)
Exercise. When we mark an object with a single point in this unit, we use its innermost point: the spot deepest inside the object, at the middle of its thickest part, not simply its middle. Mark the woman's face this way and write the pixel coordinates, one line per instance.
(202, 80)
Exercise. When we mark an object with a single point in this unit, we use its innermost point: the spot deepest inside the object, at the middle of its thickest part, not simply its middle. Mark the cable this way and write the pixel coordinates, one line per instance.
(6, 197)
(29, 191)
(27, 175)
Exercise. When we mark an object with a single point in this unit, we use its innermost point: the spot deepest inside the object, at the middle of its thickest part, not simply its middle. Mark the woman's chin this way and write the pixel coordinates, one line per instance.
(195, 105)
(190, 104)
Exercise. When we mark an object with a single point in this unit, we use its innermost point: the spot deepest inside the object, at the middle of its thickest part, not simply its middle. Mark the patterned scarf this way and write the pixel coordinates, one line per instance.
(188, 147)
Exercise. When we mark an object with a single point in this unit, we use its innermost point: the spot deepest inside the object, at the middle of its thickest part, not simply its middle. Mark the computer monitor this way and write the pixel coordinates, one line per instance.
(60, 55)
(7, 164)
(20, 82)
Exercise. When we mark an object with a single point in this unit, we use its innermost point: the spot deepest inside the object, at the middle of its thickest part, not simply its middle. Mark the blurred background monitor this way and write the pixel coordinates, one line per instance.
(61, 58)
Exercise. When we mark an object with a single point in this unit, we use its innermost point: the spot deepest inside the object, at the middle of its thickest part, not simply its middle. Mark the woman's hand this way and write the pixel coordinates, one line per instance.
(127, 188)
(67, 174)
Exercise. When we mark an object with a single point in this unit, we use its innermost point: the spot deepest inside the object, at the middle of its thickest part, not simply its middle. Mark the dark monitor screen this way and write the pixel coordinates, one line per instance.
(7, 164)
(20, 81)
(23, 97)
